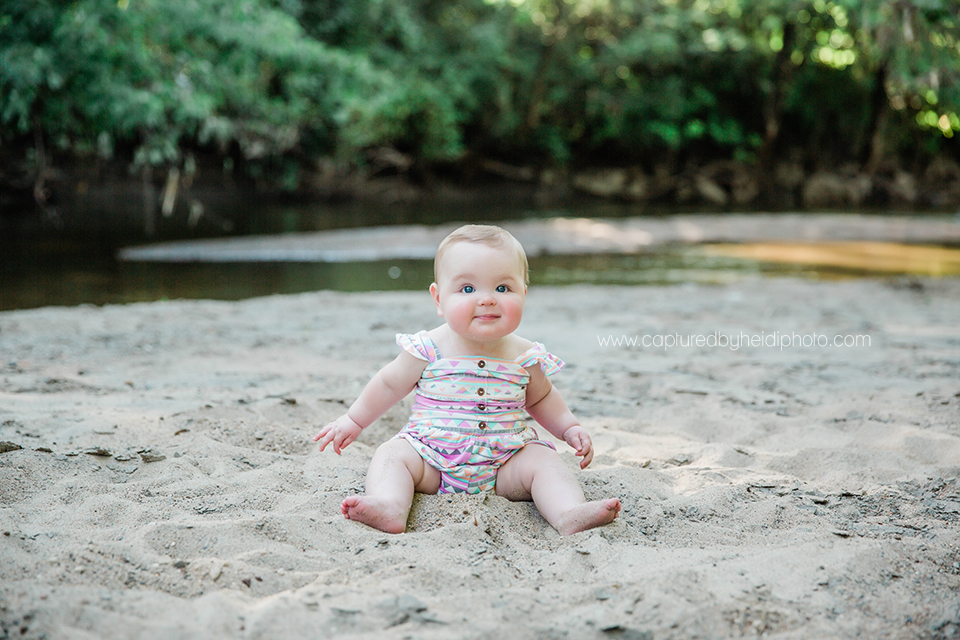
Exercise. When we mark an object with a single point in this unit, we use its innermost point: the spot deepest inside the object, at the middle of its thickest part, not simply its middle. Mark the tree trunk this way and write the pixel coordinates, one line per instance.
(880, 114)
(149, 202)
(539, 90)
(783, 70)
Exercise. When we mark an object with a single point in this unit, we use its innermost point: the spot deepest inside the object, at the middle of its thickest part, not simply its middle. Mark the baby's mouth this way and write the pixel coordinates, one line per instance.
(488, 316)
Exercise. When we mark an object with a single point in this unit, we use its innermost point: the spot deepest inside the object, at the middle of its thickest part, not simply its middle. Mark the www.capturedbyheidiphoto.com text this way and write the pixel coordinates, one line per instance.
(734, 341)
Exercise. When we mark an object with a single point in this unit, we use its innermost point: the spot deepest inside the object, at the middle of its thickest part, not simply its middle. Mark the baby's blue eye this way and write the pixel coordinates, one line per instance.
(502, 288)
(467, 288)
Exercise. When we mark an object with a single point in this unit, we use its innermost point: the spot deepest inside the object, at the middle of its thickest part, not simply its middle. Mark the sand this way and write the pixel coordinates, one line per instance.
(158, 478)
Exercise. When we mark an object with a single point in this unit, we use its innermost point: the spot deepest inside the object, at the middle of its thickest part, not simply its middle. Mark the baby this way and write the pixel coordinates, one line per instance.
(475, 382)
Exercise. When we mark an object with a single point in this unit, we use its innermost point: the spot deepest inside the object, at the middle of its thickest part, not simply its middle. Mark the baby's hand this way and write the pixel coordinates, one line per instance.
(577, 437)
(340, 432)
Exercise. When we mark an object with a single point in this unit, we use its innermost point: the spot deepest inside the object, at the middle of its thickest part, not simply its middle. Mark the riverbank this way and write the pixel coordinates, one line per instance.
(158, 480)
(560, 236)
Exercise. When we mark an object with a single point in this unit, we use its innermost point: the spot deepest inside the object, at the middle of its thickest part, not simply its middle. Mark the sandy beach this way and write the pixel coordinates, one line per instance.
(158, 479)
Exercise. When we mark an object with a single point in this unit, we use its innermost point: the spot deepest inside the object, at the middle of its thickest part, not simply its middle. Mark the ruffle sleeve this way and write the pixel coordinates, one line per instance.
(538, 354)
(419, 345)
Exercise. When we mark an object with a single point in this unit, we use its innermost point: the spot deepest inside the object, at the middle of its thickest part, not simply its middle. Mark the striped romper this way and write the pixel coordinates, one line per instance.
(468, 416)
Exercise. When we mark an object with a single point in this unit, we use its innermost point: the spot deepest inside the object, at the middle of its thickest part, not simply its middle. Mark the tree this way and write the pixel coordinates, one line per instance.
(273, 85)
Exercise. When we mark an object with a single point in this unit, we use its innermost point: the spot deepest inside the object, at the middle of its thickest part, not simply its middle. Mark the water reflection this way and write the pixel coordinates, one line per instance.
(870, 257)
(109, 282)
(126, 282)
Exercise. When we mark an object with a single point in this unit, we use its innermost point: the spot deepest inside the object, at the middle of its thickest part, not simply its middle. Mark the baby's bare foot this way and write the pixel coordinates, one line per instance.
(588, 515)
(379, 514)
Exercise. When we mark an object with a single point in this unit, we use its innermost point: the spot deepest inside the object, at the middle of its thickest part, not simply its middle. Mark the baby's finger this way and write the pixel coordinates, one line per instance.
(586, 450)
(587, 457)
(577, 444)
(581, 443)
(341, 442)
(327, 437)
(322, 433)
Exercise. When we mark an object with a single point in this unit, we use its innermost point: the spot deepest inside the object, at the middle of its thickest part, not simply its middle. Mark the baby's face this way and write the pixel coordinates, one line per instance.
(480, 291)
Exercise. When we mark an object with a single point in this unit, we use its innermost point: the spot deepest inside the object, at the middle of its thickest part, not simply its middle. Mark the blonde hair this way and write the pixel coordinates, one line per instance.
(487, 234)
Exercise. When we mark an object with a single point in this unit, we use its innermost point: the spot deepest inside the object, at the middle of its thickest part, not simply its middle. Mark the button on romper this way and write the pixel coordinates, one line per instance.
(468, 416)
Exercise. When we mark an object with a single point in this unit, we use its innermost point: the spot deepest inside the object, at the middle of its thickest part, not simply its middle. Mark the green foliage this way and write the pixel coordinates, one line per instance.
(279, 83)
(93, 73)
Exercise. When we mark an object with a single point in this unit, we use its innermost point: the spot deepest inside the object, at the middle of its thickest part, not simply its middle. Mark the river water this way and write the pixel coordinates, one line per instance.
(59, 268)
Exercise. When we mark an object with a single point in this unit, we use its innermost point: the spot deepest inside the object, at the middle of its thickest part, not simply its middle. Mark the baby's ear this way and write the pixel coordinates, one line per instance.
(435, 292)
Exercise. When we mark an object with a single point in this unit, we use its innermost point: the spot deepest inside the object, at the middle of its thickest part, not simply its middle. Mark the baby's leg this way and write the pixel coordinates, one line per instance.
(395, 472)
(536, 472)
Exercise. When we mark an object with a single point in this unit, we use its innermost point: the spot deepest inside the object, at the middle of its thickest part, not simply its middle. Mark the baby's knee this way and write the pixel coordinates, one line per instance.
(541, 453)
(396, 448)
(399, 451)
(390, 445)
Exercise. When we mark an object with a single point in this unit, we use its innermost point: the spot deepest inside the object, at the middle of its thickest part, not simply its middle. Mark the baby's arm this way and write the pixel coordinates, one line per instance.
(390, 385)
(548, 408)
